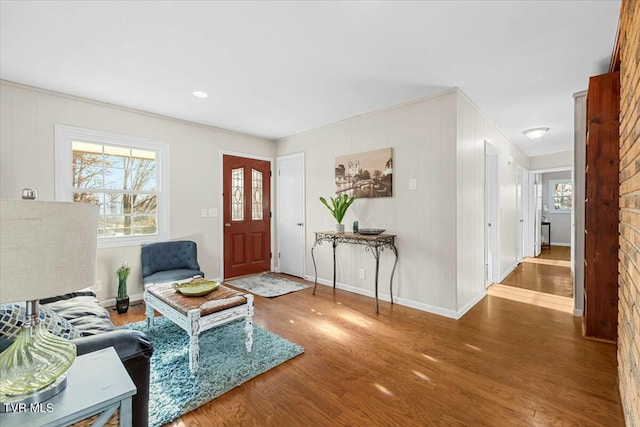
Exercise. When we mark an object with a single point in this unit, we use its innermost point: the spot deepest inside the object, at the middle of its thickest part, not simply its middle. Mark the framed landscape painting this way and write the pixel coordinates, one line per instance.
(366, 174)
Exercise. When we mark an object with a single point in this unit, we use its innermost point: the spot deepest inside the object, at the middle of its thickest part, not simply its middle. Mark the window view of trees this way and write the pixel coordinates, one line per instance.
(562, 196)
(122, 181)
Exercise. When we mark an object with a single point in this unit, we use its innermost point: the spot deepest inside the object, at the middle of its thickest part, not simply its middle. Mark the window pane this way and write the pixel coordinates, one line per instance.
(256, 194)
(144, 204)
(87, 169)
(142, 174)
(237, 194)
(145, 224)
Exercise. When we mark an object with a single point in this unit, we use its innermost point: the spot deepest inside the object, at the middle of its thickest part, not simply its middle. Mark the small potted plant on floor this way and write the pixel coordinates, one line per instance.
(122, 300)
(338, 208)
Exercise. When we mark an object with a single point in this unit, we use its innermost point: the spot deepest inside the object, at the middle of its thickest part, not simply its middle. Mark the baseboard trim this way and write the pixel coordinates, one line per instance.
(578, 312)
(112, 301)
(566, 245)
(508, 272)
(441, 311)
(471, 303)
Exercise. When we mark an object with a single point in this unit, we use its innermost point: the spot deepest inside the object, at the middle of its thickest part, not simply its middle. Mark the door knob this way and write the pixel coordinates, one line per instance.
(227, 225)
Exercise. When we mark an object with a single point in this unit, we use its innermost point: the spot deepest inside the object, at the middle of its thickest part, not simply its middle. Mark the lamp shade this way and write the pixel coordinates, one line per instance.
(46, 248)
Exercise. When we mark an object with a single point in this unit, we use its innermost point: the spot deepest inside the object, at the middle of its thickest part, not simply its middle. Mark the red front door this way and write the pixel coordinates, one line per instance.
(247, 216)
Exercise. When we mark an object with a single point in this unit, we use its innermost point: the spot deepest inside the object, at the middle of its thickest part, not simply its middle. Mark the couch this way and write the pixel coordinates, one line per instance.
(169, 261)
(84, 312)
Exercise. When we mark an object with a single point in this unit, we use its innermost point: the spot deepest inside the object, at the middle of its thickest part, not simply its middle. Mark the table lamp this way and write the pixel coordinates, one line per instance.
(46, 249)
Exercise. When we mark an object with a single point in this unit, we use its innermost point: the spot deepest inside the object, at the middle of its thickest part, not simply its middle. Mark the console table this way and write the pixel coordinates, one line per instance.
(548, 224)
(375, 244)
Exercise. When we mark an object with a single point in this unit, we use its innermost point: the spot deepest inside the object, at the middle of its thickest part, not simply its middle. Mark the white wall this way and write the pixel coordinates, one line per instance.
(439, 141)
(27, 123)
(563, 159)
(423, 138)
(560, 222)
(474, 127)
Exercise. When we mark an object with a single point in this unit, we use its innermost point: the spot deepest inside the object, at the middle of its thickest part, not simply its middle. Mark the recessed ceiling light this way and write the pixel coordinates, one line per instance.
(536, 133)
(200, 94)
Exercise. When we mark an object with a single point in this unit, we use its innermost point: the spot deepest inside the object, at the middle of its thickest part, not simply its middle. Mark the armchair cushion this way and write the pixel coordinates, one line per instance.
(166, 261)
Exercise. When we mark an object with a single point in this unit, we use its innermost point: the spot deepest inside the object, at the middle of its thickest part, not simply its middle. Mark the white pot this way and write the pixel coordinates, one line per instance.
(339, 228)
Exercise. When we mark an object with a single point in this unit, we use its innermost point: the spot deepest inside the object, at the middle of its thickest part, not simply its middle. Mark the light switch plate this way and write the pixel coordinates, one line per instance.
(413, 183)
(213, 212)
(203, 213)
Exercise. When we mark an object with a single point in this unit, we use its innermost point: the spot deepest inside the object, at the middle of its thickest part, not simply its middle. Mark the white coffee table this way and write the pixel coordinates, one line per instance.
(198, 314)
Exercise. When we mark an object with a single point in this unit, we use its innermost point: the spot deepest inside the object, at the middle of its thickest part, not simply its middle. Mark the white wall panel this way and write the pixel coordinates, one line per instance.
(422, 136)
(27, 150)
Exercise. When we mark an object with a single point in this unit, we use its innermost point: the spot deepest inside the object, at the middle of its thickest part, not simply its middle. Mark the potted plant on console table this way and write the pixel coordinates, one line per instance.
(338, 208)
(122, 300)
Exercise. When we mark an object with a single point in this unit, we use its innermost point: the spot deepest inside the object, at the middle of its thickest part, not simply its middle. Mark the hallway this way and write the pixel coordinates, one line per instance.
(544, 281)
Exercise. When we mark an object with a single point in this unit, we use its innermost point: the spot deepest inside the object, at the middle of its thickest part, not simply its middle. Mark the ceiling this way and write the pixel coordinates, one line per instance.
(274, 69)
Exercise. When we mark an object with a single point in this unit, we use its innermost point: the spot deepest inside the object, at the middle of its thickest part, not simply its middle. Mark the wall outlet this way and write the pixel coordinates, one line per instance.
(362, 273)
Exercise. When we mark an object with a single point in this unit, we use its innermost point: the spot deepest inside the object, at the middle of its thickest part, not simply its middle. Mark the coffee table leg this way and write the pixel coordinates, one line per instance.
(248, 324)
(194, 347)
(150, 316)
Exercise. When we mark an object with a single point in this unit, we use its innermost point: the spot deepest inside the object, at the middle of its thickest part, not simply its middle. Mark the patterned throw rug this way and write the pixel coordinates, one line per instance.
(224, 364)
(267, 285)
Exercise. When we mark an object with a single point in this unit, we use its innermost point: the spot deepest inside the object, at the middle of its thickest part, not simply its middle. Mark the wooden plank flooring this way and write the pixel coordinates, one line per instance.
(504, 363)
(549, 273)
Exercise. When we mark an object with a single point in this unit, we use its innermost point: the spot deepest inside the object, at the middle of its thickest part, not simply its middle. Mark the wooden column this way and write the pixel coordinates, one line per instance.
(602, 207)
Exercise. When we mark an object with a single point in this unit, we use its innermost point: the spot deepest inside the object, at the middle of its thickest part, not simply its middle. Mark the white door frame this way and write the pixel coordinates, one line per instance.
(278, 198)
(221, 154)
(519, 213)
(492, 221)
(576, 292)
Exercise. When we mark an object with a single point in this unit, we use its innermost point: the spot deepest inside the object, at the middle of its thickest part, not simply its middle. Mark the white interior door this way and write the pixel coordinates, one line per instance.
(519, 214)
(492, 198)
(538, 209)
(290, 214)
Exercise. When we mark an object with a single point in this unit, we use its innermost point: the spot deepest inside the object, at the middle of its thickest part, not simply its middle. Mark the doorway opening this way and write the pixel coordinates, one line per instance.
(547, 274)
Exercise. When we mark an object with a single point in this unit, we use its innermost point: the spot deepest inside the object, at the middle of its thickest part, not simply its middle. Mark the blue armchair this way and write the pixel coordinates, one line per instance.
(169, 261)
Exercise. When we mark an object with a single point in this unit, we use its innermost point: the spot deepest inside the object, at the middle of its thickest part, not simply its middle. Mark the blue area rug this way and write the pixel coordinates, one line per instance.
(267, 285)
(224, 364)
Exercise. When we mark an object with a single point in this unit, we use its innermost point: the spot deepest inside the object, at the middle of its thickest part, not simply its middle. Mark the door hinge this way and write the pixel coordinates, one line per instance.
(278, 255)
(270, 173)
(270, 214)
(270, 255)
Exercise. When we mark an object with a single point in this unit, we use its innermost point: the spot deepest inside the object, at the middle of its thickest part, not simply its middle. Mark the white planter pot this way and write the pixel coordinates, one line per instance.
(339, 228)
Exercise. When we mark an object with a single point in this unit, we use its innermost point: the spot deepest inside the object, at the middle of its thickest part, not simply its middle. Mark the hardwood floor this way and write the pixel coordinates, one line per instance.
(556, 252)
(549, 273)
(503, 364)
(549, 279)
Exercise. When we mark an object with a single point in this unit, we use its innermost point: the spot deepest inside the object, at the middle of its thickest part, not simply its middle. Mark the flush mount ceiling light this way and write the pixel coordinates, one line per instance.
(536, 133)
(200, 94)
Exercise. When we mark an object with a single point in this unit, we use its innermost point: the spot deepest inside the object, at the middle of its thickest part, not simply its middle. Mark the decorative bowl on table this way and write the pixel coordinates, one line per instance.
(196, 288)
(371, 231)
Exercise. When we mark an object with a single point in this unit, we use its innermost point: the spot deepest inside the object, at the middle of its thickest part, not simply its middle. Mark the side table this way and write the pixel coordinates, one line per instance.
(97, 382)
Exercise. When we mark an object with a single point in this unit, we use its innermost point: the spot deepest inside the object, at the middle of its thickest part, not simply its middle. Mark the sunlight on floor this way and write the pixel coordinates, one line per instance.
(554, 302)
(473, 347)
(554, 262)
(356, 320)
(431, 358)
(383, 389)
(421, 376)
(332, 331)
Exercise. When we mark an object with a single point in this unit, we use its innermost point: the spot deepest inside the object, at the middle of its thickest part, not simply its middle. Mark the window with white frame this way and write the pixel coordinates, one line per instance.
(560, 195)
(124, 175)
